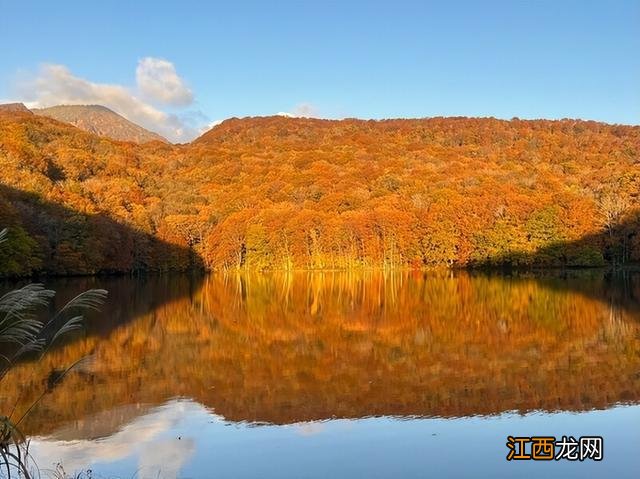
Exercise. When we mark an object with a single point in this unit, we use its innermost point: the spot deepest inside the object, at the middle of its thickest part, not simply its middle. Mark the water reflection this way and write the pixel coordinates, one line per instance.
(144, 436)
(184, 439)
(289, 349)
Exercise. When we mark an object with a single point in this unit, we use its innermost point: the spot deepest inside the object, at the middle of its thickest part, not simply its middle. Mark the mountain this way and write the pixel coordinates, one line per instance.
(101, 121)
(14, 107)
(296, 193)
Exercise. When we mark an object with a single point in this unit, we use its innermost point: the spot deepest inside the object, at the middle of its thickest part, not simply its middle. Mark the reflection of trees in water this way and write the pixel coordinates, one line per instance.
(287, 348)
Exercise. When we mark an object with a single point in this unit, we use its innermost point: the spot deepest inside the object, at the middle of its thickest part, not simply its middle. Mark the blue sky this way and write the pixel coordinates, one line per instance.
(535, 59)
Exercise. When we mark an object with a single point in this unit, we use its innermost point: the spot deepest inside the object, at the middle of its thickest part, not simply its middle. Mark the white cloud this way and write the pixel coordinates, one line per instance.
(144, 438)
(308, 429)
(306, 110)
(57, 85)
(205, 128)
(159, 82)
(301, 110)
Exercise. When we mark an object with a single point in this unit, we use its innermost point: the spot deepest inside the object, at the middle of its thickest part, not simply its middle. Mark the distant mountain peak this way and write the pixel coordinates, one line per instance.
(13, 107)
(100, 120)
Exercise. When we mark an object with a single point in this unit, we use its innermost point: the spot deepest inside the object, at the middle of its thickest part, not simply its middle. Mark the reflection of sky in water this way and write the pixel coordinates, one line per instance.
(183, 439)
(149, 440)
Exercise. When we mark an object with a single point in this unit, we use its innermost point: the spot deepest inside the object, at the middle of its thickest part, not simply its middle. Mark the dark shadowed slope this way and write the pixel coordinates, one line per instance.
(49, 238)
(101, 121)
(616, 245)
(77, 203)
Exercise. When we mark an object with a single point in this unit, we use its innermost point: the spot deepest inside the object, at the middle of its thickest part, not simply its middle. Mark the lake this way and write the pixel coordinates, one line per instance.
(313, 375)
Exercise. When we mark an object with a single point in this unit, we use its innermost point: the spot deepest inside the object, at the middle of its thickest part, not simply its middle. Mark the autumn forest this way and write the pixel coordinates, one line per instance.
(278, 193)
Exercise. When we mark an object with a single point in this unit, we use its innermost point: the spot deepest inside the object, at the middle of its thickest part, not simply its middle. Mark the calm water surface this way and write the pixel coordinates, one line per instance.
(340, 375)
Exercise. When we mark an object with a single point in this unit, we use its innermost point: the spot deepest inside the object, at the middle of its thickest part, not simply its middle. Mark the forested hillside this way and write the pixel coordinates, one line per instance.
(293, 193)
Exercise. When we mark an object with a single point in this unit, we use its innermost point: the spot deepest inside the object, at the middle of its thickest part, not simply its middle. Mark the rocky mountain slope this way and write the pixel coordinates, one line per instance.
(101, 121)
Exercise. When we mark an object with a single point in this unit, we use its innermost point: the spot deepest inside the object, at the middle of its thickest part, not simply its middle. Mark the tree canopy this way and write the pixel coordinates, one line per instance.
(295, 193)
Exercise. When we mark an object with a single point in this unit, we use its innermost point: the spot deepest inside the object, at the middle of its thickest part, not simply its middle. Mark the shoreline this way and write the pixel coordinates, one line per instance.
(502, 270)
